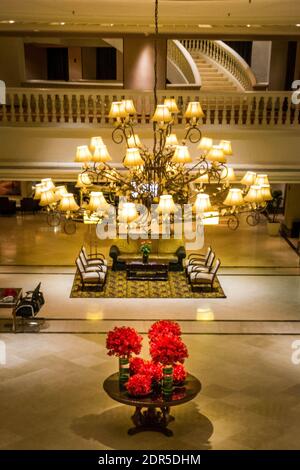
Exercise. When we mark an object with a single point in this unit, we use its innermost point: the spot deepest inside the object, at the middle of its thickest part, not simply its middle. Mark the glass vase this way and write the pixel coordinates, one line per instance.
(123, 371)
(145, 258)
(167, 382)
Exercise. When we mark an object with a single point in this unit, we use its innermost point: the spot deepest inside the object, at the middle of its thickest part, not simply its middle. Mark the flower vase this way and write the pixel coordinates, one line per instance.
(145, 258)
(167, 382)
(123, 370)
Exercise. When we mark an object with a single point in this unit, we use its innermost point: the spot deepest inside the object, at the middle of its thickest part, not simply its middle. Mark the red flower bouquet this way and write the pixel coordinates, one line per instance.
(179, 374)
(139, 385)
(168, 349)
(123, 341)
(136, 364)
(154, 371)
(164, 327)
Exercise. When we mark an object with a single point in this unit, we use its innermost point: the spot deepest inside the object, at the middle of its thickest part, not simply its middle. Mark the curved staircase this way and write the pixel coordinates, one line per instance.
(213, 78)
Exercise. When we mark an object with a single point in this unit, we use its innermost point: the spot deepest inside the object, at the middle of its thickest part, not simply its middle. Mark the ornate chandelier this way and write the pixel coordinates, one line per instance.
(165, 174)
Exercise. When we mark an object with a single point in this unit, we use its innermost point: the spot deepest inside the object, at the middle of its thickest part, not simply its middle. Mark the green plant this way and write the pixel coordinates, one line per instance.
(274, 206)
(145, 248)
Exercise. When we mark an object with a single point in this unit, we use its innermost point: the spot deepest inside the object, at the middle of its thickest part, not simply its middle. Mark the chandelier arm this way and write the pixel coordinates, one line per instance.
(193, 129)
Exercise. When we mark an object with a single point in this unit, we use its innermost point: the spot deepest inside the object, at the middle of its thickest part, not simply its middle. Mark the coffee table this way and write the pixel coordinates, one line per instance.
(17, 292)
(156, 414)
(150, 271)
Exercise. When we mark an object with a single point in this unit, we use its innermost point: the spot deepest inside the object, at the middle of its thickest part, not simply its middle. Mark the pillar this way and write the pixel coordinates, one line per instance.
(139, 62)
(278, 66)
(75, 63)
(260, 61)
(292, 209)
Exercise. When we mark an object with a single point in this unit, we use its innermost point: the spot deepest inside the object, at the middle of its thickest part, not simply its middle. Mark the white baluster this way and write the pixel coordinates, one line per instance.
(21, 111)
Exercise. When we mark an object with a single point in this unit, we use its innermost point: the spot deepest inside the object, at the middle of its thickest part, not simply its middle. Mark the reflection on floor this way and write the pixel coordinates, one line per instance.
(51, 395)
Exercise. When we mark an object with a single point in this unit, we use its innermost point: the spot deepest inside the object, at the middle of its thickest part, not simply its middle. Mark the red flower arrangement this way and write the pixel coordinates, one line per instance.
(135, 364)
(152, 370)
(164, 327)
(123, 341)
(139, 385)
(168, 349)
(179, 374)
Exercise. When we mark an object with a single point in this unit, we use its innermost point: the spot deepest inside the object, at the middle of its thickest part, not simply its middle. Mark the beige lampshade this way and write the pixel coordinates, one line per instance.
(59, 191)
(129, 106)
(249, 178)
(202, 203)
(83, 154)
(194, 110)
(96, 142)
(83, 180)
(181, 155)
(234, 197)
(201, 179)
(127, 212)
(47, 197)
(172, 105)
(67, 203)
(162, 114)
(133, 158)
(48, 183)
(228, 174)
(97, 202)
(171, 140)
(261, 179)
(266, 192)
(134, 141)
(226, 146)
(216, 154)
(205, 143)
(254, 195)
(101, 154)
(37, 190)
(166, 204)
(117, 110)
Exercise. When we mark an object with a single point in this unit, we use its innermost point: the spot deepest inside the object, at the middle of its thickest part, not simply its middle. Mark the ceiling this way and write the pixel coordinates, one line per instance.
(204, 17)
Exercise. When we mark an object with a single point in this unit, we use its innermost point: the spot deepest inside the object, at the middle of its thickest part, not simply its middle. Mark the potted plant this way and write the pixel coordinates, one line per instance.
(273, 224)
(145, 250)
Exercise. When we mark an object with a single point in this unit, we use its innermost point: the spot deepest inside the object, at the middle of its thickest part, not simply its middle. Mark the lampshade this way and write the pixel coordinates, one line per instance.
(216, 154)
(96, 142)
(129, 106)
(117, 110)
(228, 174)
(67, 203)
(127, 212)
(48, 183)
(202, 203)
(47, 197)
(249, 178)
(134, 141)
(172, 105)
(133, 158)
(37, 190)
(266, 192)
(162, 114)
(83, 180)
(83, 154)
(194, 110)
(226, 146)
(181, 155)
(97, 202)
(171, 140)
(166, 204)
(254, 194)
(205, 143)
(234, 197)
(261, 179)
(202, 179)
(59, 191)
(101, 154)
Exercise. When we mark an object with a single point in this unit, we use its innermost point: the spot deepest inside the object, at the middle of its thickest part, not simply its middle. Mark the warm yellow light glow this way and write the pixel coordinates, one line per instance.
(202, 203)
(96, 142)
(94, 316)
(133, 158)
(171, 140)
(59, 191)
(101, 155)
(211, 218)
(205, 314)
(254, 195)
(194, 110)
(166, 204)
(216, 154)
(129, 106)
(83, 154)
(202, 179)
(181, 155)
(67, 203)
(249, 178)
(162, 114)
(37, 190)
(117, 110)
(127, 212)
(226, 146)
(134, 141)
(205, 143)
(47, 197)
(172, 105)
(266, 192)
(234, 197)
(97, 202)
(48, 183)
(83, 180)
(228, 174)
(261, 179)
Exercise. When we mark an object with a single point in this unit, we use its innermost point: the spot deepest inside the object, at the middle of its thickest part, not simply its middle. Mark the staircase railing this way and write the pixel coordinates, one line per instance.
(184, 62)
(224, 56)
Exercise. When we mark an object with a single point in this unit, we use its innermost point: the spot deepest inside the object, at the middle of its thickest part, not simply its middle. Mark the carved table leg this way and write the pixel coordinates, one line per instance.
(151, 419)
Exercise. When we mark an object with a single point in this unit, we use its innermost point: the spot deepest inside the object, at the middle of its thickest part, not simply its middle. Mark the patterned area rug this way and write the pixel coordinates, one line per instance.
(117, 286)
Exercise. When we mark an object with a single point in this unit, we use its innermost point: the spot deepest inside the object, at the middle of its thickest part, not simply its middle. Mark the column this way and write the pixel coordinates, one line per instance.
(75, 63)
(292, 210)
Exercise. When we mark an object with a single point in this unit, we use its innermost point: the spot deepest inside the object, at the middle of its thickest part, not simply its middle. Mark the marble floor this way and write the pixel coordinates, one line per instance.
(51, 395)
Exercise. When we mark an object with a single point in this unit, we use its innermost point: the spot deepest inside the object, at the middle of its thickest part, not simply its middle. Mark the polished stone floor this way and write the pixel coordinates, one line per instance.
(52, 398)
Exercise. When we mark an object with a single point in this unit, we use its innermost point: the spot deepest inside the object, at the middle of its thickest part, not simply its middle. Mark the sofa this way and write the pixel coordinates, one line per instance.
(7, 206)
(170, 251)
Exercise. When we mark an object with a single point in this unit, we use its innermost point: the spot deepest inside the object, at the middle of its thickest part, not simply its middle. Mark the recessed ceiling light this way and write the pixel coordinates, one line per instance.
(248, 25)
(298, 25)
(204, 26)
(7, 21)
(57, 23)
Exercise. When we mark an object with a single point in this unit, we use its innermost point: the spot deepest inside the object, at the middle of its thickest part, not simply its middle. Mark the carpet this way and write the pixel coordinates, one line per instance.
(117, 286)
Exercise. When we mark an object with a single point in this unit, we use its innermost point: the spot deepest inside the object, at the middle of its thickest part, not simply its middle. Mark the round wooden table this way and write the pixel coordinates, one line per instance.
(152, 412)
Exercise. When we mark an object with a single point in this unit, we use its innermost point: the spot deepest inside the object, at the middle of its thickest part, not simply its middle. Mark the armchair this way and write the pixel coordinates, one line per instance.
(204, 265)
(94, 277)
(201, 278)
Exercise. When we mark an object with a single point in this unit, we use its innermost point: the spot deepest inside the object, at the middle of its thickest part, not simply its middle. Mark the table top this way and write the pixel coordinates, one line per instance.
(187, 392)
(149, 264)
(5, 291)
